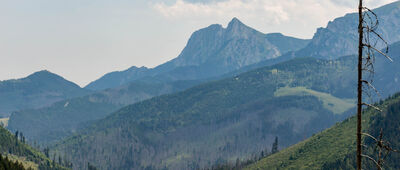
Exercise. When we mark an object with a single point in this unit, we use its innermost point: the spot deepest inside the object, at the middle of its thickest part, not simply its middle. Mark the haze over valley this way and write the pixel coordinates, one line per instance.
(233, 98)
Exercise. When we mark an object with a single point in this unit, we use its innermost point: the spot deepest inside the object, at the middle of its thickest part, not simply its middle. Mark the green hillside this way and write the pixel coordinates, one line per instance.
(15, 149)
(217, 121)
(335, 147)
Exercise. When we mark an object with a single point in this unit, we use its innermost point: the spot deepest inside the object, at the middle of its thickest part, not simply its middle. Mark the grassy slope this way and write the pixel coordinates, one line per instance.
(332, 103)
(328, 146)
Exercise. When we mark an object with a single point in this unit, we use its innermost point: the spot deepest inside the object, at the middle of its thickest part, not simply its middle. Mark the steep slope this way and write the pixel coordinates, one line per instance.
(335, 147)
(16, 150)
(37, 90)
(217, 121)
(340, 38)
(210, 52)
(63, 118)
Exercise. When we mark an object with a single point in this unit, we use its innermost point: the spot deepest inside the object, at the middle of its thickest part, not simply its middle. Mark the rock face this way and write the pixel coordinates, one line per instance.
(340, 37)
(210, 52)
(37, 90)
(230, 48)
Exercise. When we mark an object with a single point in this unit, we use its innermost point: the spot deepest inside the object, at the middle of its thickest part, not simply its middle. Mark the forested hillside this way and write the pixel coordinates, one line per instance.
(6, 164)
(64, 118)
(15, 148)
(221, 120)
(335, 147)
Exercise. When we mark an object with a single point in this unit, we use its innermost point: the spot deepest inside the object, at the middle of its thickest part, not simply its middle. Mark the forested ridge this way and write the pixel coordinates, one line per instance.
(335, 147)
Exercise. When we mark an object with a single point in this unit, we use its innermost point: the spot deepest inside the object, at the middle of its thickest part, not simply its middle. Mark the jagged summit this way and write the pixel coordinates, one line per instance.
(135, 68)
(236, 28)
(235, 22)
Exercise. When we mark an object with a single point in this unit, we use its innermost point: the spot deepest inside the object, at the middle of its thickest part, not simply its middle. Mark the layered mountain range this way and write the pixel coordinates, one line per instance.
(238, 116)
(206, 123)
(211, 52)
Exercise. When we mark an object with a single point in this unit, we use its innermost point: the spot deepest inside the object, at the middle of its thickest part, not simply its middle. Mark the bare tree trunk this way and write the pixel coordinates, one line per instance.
(359, 103)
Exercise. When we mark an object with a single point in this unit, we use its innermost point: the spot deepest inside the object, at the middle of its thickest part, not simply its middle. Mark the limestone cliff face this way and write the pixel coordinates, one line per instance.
(230, 48)
(340, 37)
(210, 52)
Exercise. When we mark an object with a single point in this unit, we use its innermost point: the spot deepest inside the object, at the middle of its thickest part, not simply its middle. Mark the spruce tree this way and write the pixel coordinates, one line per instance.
(275, 146)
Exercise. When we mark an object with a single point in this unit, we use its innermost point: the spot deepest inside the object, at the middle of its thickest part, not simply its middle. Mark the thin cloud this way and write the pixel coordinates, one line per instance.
(303, 15)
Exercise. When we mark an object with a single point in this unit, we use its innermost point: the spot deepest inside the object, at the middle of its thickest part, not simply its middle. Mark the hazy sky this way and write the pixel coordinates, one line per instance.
(82, 40)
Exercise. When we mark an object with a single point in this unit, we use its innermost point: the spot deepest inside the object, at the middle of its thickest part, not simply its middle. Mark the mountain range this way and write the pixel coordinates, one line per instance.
(228, 49)
(291, 100)
(159, 131)
(210, 52)
(266, 89)
(193, 66)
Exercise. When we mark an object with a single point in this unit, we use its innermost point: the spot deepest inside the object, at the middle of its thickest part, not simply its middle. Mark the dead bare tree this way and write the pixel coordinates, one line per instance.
(359, 82)
(368, 41)
(382, 148)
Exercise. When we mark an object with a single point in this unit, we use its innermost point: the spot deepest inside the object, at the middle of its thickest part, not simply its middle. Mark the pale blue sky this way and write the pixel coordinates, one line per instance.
(83, 39)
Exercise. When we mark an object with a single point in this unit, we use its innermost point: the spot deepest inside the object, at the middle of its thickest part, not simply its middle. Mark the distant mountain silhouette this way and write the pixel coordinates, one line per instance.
(37, 90)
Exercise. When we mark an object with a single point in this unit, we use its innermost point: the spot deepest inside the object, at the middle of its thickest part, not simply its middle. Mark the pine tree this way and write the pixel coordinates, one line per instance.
(275, 146)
